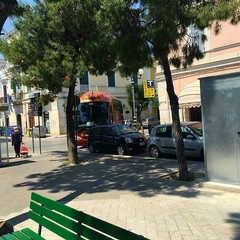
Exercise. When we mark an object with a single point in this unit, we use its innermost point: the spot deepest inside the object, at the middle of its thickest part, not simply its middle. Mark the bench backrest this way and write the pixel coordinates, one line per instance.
(72, 224)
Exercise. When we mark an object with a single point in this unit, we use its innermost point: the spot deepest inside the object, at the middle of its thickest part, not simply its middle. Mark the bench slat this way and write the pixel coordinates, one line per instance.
(60, 218)
(59, 207)
(110, 229)
(66, 222)
(8, 237)
(20, 235)
(59, 230)
(85, 231)
(32, 234)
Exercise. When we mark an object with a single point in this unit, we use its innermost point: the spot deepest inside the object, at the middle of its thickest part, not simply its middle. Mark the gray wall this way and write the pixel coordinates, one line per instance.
(220, 98)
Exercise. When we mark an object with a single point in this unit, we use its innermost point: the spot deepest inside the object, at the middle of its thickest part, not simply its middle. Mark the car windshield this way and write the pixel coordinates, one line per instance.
(123, 129)
(197, 128)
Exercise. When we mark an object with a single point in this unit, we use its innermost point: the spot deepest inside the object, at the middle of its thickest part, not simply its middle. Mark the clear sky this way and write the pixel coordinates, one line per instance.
(8, 26)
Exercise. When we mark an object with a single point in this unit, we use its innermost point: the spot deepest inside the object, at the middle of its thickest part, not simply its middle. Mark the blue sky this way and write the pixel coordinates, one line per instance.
(8, 26)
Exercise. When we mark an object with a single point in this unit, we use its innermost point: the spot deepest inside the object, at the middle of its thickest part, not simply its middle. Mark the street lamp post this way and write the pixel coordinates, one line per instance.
(135, 124)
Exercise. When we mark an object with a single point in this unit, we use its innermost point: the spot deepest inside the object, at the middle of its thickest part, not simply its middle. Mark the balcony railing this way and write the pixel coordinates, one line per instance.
(16, 97)
(3, 104)
(3, 100)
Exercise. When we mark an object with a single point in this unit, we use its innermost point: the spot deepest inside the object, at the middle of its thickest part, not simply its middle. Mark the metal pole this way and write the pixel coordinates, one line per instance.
(7, 148)
(39, 136)
(32, 139)
(135, 124)
(1, 151)
(134, 104)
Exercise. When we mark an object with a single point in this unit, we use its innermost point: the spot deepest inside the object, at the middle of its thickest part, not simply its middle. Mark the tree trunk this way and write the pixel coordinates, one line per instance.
(71, 142)
(7, 8)
(181, 159)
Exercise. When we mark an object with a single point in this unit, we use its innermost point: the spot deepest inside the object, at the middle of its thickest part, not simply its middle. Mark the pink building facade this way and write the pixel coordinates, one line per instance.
(222, 56)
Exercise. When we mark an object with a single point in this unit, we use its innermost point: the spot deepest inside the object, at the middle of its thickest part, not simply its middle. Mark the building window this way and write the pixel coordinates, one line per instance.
(84, 78)
(196, 35)
(14, 87)
(29, 89)
(111, 79)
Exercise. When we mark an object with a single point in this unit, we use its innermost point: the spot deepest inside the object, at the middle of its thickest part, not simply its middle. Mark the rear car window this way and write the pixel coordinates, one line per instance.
(165, 131)
(123, 129)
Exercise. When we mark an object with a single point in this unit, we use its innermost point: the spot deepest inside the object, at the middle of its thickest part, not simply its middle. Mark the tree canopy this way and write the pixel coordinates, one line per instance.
(7, 9)
(55, 41)
(150, 30)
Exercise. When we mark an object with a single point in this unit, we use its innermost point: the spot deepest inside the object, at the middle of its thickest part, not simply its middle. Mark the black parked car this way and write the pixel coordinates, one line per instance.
(117, 138)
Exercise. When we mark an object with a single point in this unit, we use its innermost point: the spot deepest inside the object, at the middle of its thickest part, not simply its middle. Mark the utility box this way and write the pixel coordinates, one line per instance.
(220, 99)
(43, 131)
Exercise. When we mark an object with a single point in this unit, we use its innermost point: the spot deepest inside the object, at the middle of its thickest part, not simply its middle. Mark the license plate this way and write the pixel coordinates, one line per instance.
(142, 143)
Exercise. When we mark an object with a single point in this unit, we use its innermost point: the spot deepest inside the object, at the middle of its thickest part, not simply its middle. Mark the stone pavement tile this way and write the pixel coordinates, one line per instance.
(163, 235)
(209, 232)
(194, 237)
(177, 235)
(171, 224)
(152, 233)
(226, 233)
(171, 216)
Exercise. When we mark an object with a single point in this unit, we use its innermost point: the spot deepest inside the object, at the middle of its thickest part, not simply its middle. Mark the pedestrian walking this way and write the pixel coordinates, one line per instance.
(16, 141)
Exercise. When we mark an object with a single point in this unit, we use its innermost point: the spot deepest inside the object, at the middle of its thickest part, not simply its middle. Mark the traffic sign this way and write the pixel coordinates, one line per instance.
(148, 88)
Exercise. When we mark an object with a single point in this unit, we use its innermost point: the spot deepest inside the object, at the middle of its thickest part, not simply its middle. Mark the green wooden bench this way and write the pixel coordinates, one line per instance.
(68, 223)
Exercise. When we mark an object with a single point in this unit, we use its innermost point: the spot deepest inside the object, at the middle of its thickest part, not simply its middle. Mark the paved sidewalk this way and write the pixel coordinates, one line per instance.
(131, 192)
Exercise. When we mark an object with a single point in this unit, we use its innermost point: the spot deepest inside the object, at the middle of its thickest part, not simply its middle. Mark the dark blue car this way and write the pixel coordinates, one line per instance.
(117, 138)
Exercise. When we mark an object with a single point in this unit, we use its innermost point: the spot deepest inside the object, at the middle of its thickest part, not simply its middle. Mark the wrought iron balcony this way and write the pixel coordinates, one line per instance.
(17, 98)
(3, 104)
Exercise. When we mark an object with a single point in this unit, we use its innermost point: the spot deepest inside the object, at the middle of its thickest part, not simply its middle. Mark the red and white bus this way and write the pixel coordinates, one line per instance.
(96, 108)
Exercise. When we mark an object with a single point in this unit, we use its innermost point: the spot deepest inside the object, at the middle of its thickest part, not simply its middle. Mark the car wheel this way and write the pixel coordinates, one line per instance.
(91, 148)
(121, 150)
(154, 151)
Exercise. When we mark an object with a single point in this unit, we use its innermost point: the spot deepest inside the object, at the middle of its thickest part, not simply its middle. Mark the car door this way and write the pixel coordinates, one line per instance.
(95, 137)
(164, 139)
(191, 143)
(107, 140)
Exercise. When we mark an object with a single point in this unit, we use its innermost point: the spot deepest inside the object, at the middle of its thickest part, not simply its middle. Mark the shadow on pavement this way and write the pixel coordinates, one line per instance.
(16, 163)
(234, 218)
(103, 173)
(18, 219)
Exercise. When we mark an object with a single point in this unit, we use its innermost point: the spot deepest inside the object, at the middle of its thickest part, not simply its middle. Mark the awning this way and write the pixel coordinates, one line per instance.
(189, 97)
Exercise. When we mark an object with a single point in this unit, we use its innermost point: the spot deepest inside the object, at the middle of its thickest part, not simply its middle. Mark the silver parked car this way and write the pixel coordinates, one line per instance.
(161, 141)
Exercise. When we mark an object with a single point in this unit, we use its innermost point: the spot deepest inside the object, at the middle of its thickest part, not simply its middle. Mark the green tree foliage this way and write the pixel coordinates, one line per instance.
(154, 102)
(56, 41)
(8, 8)
(159, 30)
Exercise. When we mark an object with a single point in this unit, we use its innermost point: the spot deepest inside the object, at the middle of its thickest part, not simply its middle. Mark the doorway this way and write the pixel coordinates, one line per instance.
(19, 121)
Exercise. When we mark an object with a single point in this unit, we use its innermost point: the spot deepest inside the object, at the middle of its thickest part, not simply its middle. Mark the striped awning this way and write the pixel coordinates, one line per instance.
(190, 97)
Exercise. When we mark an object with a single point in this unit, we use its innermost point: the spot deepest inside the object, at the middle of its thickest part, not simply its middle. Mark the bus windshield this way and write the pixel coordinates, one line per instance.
(93, 113)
